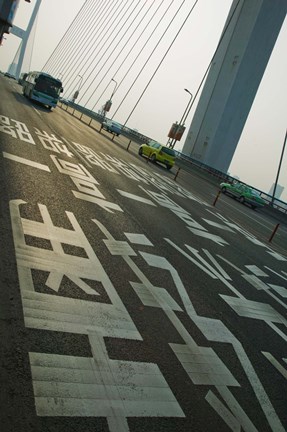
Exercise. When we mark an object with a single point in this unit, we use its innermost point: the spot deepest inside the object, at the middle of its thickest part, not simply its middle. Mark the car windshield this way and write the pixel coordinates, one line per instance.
(48, 86)
(168, 151)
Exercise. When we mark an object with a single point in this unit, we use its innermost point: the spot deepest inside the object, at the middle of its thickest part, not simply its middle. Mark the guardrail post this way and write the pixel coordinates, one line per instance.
(216, 198)
(176, 174)
(273, 234)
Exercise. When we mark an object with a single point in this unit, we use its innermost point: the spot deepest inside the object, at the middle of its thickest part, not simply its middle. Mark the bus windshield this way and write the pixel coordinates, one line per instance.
(48, 86)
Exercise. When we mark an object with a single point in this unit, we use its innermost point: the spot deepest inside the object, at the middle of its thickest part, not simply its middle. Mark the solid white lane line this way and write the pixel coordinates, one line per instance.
(26, 162)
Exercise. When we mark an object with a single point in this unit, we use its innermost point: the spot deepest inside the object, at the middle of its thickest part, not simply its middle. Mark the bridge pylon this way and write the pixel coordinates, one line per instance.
(17, 63)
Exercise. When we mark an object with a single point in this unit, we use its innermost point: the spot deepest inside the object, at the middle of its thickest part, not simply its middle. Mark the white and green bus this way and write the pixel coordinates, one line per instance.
(43, 88)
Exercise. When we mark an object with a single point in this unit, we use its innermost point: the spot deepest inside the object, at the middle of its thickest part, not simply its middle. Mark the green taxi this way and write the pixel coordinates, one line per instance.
(245, 194)
(157, 152)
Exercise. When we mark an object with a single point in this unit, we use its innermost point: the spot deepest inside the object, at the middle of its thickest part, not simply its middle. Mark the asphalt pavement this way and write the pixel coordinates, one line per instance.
(129, 300)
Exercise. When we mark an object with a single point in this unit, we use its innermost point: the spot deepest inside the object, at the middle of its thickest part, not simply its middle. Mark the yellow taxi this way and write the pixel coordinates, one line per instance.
(157, 152)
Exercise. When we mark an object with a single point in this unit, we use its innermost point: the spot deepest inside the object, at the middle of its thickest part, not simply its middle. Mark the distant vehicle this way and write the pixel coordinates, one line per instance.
(43, 88)
(158, 153)
(22, 78)
(8, 75)
(245, 194)
(112, 127)
(65, 101)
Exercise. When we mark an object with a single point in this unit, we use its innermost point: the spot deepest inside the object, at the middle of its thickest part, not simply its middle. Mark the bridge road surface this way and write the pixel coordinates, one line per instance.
(128, 302)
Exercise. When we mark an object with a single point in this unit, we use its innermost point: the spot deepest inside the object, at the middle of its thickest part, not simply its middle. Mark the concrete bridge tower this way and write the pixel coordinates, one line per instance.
(16, 66)
(233, 80)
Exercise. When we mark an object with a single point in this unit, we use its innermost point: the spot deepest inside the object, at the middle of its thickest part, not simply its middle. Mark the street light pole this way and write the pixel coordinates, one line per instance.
(80, 82)
(108, 104)
(114, 88)
(182, 121)
(279, 168)
(76, 94)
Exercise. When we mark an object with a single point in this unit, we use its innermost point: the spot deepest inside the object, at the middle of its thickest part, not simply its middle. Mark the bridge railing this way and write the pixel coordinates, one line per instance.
(183, 160)
(224, 177)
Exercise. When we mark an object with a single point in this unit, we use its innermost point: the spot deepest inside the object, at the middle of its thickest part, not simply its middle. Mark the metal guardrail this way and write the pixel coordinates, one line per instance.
(223, 177)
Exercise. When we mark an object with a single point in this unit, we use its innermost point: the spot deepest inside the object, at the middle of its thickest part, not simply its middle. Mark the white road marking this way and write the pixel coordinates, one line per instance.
(256, 270)
(213, 237)
(100, 387)
(140, 239)
(276, 255)
(76, 151)
(37, 111)
(278, 274)
(279, 289)
(217, 225)
(106, 205)
(223, 412)
(136, 197)
(217, 265)
(26, 162)
(275, 363)
(214, 330)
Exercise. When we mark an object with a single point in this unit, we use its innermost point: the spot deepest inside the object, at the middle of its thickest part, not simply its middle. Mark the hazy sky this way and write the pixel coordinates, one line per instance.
(258, 153)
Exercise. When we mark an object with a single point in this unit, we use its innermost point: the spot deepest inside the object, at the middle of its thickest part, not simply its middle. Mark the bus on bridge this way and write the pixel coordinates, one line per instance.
(42, 88)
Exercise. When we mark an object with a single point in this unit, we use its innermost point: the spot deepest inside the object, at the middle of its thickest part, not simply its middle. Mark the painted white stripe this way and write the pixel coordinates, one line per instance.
(140, 239)
(236, 409)
(277, 299)
(256, 270)
(37, 111)
(136, 197)
(217, 225)
(277, 256)
(73, 148)
(224, 413)
(106, 205)
(278, 331)
(278, 274)
(275, 363)
(217, 265)
(26, 162)
(279, 289)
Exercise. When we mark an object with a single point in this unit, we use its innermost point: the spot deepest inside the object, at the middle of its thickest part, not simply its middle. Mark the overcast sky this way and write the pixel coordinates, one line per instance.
(258, 153)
